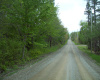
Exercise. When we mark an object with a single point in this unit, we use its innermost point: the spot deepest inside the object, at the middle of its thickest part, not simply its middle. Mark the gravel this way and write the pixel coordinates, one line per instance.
(68, 63)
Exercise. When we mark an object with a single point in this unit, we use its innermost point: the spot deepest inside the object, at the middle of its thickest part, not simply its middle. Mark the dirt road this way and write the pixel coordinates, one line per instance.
(68, 63)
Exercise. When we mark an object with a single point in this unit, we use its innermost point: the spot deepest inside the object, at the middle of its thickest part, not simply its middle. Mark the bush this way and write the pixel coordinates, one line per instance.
(2, 68)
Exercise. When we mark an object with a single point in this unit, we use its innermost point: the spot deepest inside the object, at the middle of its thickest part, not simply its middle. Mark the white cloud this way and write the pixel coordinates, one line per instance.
(71, 12)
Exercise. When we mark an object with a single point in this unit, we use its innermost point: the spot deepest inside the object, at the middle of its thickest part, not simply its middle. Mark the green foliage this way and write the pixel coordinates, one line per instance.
(86, 36)
(94, 35)
(84, 33)
(74, 37)
(3, 67)
(28, 29)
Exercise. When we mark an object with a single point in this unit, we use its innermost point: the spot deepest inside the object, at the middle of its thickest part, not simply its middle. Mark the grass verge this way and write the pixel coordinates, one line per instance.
(92, 55)
(76, 43)
(38, 54)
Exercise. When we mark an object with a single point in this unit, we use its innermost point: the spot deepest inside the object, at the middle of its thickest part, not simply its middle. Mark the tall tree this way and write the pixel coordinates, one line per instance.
(94, 3)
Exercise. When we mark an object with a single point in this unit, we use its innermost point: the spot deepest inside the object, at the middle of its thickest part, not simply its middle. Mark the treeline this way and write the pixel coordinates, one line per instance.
(74, 37)
(27, 29)
(90, 38)
(91, 35)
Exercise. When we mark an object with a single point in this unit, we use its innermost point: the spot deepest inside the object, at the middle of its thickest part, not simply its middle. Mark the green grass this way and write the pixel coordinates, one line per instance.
(34, 55)
(92, 55)
(76, 43)
(46, 50)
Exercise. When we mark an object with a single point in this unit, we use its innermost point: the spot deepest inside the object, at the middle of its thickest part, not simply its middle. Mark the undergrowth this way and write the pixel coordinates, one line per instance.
(32, 55)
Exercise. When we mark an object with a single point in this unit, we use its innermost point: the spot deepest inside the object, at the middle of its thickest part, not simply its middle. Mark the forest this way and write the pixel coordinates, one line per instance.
(89, 33)
(28, 29)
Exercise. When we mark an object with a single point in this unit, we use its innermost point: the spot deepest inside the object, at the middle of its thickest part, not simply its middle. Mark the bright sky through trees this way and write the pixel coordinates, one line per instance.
(71, 12)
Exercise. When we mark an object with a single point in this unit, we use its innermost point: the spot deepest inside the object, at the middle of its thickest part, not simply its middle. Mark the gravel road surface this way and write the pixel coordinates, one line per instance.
(68, 63)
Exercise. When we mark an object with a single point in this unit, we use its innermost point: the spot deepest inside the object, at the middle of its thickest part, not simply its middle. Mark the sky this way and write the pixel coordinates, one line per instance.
(71, 12)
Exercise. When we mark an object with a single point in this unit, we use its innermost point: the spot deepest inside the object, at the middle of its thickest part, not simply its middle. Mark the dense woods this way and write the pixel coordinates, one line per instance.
(91, 35)
(28, 28)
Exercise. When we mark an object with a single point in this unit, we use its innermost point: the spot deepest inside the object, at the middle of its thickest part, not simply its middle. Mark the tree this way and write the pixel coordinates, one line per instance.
(28, 28)
(88, 11)
(83, 37)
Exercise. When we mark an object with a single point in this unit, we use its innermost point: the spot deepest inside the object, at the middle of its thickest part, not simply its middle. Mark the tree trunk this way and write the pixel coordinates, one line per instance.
(50, 42)
(94, 13)
(24, 40)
